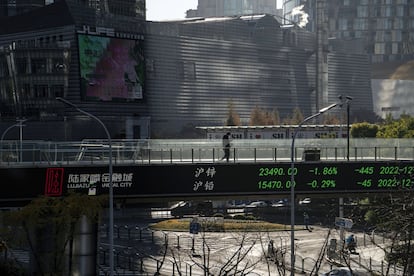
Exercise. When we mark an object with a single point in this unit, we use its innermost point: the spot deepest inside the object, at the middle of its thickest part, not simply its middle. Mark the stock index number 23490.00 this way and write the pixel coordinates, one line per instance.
(339, 176)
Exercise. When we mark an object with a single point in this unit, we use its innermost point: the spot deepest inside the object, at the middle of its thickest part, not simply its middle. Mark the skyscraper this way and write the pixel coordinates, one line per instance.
(218, 8)
(385, 30)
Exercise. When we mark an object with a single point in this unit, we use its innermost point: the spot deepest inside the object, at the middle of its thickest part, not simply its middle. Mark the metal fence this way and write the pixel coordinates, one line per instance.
(13, 153)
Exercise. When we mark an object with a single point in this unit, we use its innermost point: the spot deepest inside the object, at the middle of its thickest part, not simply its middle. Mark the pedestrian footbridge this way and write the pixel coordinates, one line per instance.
(193, 168)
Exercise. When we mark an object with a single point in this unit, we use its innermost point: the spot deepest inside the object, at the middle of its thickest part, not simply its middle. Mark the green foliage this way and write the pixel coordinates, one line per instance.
(47, 226)
(46, 210)
(244, 217)
(370, 217)
(238, 223)
(364, 130)
(233, 119)
(401, 128)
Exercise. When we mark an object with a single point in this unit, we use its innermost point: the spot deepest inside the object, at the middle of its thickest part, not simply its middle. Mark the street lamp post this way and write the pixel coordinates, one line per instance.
(111, 192)
(292, 187)
(348, 107)
(348, 100)
(20, 125)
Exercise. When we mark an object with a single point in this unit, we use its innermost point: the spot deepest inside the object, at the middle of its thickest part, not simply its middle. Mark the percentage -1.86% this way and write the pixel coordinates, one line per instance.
(324, 171)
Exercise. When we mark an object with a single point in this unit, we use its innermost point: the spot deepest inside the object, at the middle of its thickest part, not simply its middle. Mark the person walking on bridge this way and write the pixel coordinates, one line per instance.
(226, 146)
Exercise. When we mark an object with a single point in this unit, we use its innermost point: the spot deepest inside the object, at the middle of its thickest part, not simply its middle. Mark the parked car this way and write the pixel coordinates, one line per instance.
(306, 200)
(255, 204)
(281, 203)
(186, 208)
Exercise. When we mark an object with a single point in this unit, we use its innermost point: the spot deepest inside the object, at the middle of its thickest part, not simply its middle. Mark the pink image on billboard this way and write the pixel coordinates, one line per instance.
(111, 69)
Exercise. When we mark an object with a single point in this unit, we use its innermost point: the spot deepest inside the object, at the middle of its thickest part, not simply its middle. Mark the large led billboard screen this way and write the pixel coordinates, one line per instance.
(111, 69)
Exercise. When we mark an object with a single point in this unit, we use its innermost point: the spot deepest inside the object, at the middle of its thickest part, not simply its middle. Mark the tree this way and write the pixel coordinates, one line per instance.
(233, 119)
(275, 117)
(394, 215)
(48, 225)
(295, 119)
(364, 130)
(262, 117)
(258, 117)
(402, 128)
(331, 119)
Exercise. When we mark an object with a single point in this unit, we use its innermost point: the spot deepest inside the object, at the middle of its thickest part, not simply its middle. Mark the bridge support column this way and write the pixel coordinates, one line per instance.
(84, 249)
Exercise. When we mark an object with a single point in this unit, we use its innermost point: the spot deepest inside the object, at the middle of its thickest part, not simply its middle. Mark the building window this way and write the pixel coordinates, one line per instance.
(411, 11)
(21, 65)
(379, 48)
(40, 91)
(395, 48)
(38, 66)
(396, 35)
(387, 11)
(342, 24)
(398, 23)
(57, 91)
(407, 48)
(360, 24)
(26, 89)
(186, 70)
(3, 69)
(362, 11)
(399, 11)
(384, 24)
(379, 36)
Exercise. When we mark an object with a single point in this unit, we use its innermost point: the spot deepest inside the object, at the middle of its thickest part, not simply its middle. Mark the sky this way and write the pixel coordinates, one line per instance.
(172, 9)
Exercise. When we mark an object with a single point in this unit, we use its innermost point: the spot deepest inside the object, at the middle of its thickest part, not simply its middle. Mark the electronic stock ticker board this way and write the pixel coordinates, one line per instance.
(211, 179)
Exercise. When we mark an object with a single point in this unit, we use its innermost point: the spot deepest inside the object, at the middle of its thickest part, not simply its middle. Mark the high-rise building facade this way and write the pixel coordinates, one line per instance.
(162, 78)
(219, 8)
(13, 7)
(130, 8)
(385, 29)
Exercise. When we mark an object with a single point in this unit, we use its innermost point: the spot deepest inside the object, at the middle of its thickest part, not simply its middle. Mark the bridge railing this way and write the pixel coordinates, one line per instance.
(13, 153)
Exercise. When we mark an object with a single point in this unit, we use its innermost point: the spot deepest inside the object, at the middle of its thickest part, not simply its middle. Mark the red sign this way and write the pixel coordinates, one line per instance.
(54, 182)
